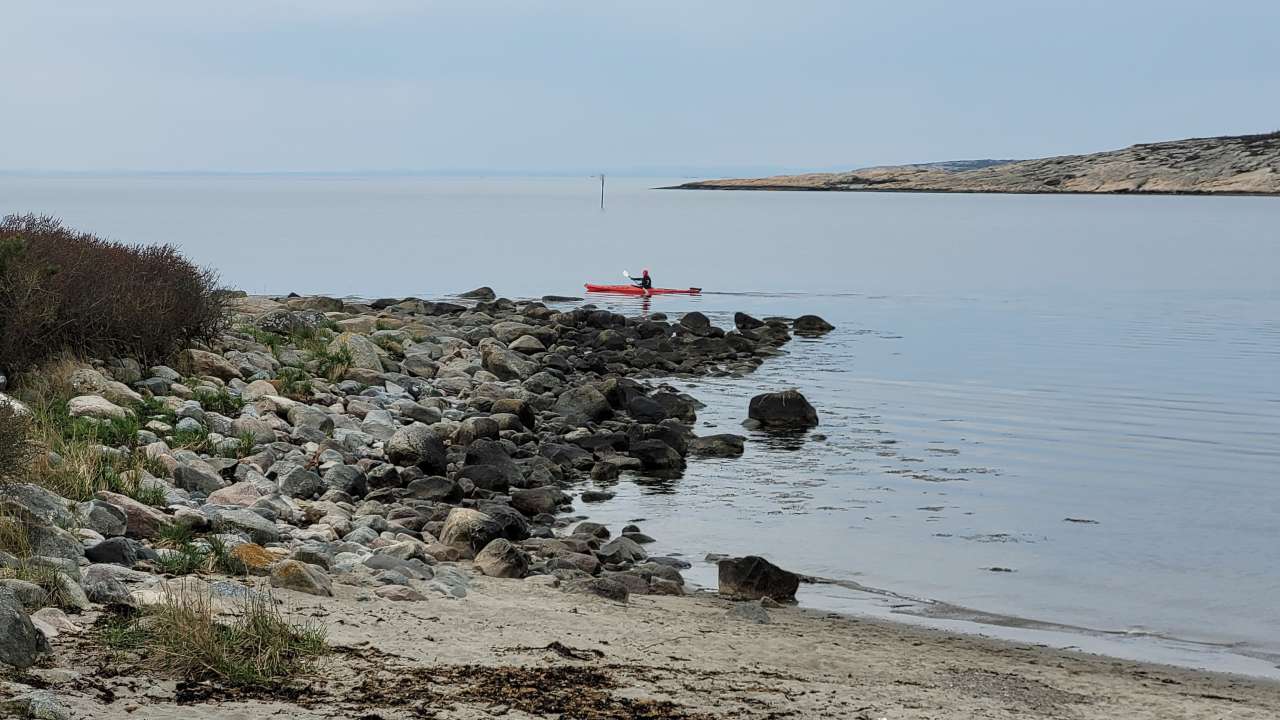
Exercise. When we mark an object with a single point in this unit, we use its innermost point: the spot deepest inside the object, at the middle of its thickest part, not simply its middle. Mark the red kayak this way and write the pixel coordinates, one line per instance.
(634, 290)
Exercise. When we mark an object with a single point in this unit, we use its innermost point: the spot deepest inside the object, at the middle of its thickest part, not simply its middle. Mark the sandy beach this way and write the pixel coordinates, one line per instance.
(654, 657)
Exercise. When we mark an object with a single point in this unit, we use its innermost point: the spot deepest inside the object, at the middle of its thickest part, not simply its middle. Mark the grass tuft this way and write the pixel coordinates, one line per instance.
(184, 636)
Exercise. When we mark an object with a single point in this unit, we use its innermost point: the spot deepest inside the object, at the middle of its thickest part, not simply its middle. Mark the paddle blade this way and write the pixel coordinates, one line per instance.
(626, 274)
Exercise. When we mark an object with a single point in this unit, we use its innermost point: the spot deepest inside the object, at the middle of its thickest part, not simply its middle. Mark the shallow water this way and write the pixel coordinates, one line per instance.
(1001, 364)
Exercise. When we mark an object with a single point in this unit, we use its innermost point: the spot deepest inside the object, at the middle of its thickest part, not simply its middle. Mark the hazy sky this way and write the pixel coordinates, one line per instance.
(566, 86)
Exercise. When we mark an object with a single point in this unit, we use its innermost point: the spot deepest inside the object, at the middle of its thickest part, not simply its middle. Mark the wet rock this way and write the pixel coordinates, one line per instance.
(595, 496)
(812, 325)
(621, 550)
(786, 410)
(500, 558)
(656, 455)
(537, 501)
(724, 445)
(480, 293)
(753, 578)
(743, 321)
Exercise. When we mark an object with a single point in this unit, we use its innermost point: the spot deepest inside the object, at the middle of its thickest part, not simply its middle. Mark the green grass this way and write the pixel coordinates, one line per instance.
(197, 440)
(185, 637)
(221, 401)
(332, 364)
(183, 560)
(295, 383)
(175, 535)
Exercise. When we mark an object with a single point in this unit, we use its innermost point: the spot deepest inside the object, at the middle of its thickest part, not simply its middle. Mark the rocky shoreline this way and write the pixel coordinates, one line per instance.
(396, 448)
(1229, 165)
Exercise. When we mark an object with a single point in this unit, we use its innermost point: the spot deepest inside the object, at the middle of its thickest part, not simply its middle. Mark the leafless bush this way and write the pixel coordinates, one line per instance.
(68, 291)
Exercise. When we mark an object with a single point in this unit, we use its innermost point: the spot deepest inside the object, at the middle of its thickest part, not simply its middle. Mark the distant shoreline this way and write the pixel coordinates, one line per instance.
(1228, 165)
(711, 185)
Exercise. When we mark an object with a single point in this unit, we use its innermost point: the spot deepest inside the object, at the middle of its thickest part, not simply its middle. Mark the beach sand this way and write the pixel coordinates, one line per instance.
(517, 649)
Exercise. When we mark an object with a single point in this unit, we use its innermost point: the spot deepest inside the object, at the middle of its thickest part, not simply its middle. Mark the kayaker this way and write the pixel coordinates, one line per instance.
(644, 280)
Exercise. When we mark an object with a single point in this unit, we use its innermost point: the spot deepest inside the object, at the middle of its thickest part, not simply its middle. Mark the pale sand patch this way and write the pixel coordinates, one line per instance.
(689, 652)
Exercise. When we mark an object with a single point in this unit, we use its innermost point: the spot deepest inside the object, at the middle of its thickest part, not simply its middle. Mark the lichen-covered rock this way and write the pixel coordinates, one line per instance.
(301, 577)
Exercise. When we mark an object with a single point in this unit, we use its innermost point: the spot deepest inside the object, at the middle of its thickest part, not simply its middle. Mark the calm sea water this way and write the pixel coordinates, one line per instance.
(1004, 368)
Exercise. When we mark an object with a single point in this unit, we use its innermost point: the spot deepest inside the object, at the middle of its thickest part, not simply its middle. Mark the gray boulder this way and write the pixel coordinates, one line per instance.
(786, 410)
(416, 444)
(502, 559)
(753, 578)
(581, 405)
(21, 644)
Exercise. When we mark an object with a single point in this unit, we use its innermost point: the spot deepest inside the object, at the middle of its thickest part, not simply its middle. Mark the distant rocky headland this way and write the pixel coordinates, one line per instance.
(1229, 165)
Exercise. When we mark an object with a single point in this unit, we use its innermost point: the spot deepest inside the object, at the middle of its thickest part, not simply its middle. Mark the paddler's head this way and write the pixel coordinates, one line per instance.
(646, 272)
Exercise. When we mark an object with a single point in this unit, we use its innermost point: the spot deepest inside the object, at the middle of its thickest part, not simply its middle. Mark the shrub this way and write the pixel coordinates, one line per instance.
(67, 291)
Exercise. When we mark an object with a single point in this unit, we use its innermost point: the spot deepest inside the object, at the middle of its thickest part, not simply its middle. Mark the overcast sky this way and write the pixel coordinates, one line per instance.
(298, 85)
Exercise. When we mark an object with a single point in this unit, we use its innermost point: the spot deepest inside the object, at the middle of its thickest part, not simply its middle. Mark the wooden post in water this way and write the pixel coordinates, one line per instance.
(601, 191)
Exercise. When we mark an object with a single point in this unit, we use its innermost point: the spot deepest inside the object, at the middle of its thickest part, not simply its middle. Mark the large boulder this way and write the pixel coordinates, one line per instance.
(198, 476)
(469, 530)
(416, 444)
(21, 644)
(365, 355)
(259, 529)
(480, 293)
(488, 466)
(202, 362)
(656, 455)
(752, 578)
(36, 504)
(621, 550)
(301, 577)
(812, 325)
(507, 364)
(537, 501)
(502, 559)
(142, 521)
(583, 404)
(96, 407)
(787, 410)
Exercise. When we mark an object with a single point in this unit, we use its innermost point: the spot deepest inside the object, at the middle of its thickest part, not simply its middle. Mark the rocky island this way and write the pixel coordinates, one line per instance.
(1228, 165)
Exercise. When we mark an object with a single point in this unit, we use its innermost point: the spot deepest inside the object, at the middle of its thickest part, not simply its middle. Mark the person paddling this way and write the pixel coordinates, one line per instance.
(643, 282)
